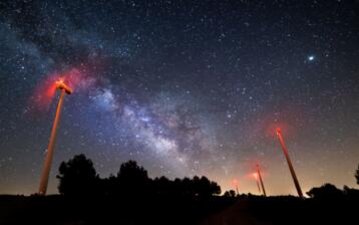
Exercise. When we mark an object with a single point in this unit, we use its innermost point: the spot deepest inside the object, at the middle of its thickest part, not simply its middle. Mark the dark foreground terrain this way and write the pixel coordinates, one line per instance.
(59, 210)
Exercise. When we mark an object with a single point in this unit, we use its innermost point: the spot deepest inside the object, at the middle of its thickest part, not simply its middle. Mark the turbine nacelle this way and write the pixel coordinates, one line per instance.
(62, 86)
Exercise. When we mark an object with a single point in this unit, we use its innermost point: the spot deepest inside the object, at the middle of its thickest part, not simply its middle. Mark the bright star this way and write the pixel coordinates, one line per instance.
(311, 58)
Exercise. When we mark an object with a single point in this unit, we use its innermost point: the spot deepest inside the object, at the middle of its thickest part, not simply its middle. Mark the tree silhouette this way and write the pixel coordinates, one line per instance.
(132, 179)
(213, 187)
(77, 176)
(204, 187)
(131, 172)
(357, 175)
(230, 193)
(325, 191)
(196, 186)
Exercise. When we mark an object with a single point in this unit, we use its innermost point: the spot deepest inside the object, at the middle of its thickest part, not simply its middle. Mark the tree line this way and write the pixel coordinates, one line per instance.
(78, 177)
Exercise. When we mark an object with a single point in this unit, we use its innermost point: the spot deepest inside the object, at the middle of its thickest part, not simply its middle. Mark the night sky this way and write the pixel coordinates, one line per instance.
(184, 88)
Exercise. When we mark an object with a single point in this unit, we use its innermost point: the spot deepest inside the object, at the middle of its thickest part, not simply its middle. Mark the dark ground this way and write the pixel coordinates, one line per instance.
(243, 210)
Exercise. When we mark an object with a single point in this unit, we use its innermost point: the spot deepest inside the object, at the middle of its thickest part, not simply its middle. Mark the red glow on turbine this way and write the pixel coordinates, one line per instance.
(44, 93)
(254, 175)
(50, 92)
(62, 86)
(235, 183)
(274, 128)
(72, 78)
(46, 90)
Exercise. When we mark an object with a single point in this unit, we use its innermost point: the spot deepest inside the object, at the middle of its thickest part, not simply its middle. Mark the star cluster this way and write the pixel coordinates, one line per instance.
(183, 87)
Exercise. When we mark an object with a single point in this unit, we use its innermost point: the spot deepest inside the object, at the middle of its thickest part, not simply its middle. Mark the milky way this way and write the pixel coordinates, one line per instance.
(183, 87)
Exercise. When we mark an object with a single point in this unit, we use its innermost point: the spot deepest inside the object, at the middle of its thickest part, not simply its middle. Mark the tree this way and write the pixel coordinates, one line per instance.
(77, 176)
(351, 192)
(230, 193)
(133, 179)
(205, 187)
(163, 186)
(130, 171)
(325, 191)
(185, 187)
(357, 175)
(215, 189)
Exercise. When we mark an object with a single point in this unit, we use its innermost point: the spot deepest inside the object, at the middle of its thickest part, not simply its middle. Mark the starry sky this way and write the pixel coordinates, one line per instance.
(184, 88)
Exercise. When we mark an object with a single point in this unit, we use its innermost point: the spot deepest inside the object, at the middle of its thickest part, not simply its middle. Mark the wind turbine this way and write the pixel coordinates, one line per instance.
(64, 89)
(291, 168)
(261, 180)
